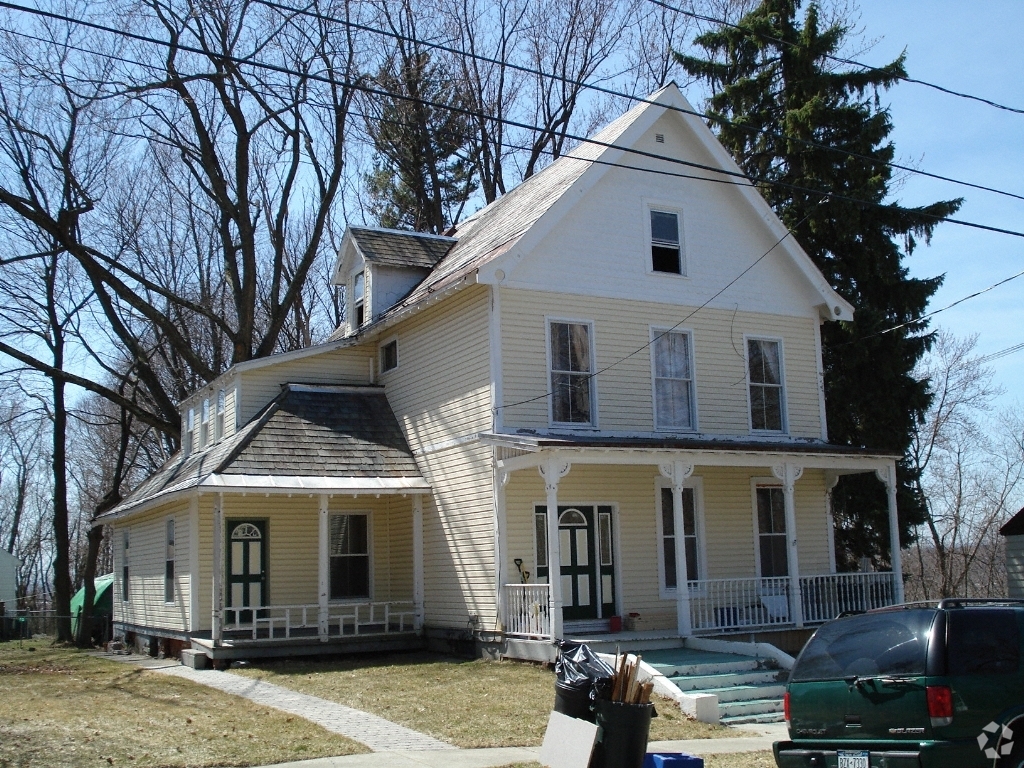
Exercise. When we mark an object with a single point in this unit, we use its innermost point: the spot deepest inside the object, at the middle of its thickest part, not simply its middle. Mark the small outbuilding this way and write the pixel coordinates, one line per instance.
(8, 579)
(1014, 533)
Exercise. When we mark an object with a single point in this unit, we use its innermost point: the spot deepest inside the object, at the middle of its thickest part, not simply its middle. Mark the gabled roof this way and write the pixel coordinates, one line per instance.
(395, 248)
(310, 437)
(1014, 526)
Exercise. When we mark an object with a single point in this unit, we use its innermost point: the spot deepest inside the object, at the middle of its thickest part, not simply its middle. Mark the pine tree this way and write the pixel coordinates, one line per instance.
(782, 107)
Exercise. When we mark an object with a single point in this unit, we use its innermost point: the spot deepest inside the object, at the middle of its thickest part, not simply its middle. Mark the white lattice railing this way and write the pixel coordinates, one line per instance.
(268, 623)
(527, 611)
(738, 603)
(825, 597)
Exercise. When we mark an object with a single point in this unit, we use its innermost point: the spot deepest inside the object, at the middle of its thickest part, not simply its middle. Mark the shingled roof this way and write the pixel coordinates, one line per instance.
(310, 438)
(1014, 526)
(394, 248)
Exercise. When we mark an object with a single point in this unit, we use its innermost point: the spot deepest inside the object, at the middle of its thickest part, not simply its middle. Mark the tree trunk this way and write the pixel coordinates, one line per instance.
(85, 619)
(61, 542)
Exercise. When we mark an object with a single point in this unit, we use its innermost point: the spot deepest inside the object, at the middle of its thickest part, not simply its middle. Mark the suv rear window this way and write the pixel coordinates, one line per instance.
(982, 641)
(889, 643)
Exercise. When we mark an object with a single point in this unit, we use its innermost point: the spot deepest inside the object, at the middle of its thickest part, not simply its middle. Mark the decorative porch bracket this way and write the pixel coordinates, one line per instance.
(553, 470)
(789, 473)
(888, 478)
(677, 472)
(323, 570)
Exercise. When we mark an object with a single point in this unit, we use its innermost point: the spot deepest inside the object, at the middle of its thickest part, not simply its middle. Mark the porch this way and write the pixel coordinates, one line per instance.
(721, 606)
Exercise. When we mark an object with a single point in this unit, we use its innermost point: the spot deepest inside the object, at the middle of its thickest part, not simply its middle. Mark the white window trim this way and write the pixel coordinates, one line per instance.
(755, 483)
(650, 204)
(748, 337)
(174, 582)
(616, 549)
(380, 355)
(370, 548)
(697, 483)
(655, 331)
(571, 425)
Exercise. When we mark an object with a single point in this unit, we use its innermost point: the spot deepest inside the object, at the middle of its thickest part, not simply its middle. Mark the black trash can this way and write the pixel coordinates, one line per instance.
(622, 734)
(574, 702)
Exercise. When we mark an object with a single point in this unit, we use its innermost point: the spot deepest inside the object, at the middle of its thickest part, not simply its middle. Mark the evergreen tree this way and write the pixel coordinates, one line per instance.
(782, 108)
(422, 175)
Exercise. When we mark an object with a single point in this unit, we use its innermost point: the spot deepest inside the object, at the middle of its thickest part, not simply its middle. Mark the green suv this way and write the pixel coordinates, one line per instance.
(912, 685)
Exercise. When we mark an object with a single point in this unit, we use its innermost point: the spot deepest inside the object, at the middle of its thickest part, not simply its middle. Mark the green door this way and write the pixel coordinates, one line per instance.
(587, 567)
(246, 569)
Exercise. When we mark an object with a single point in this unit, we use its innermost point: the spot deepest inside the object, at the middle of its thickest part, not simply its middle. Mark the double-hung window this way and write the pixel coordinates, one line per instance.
(771, 531)
(350, 556)
(190, 425)
(572, 373)
(220, 415)
(666, 244)
(169, 564)
(358, 303)
(764, 368)
(126, 591)
(204, 429)
(673, 381)
(667, 534)
(389, 356)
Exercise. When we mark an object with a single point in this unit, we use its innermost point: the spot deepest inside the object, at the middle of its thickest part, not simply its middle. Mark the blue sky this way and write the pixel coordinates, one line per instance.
(974, 48)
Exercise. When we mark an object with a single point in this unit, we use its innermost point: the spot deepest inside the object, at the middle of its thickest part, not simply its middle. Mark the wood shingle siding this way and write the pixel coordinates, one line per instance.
(624, 392)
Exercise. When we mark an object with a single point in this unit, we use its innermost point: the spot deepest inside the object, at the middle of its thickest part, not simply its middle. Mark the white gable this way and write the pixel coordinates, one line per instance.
(595, 239)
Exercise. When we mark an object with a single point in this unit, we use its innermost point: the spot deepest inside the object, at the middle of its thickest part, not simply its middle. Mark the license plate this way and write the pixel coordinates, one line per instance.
(854, 760)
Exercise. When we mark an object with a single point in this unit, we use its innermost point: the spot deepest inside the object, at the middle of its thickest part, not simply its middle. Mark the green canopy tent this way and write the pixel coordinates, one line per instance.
(103, 607)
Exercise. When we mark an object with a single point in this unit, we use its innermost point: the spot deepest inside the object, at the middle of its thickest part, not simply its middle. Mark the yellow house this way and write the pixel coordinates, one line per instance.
(616, 367)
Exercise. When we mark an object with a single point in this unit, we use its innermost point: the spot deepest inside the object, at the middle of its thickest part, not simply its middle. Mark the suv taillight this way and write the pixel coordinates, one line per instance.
(785, 706)
(940, 704)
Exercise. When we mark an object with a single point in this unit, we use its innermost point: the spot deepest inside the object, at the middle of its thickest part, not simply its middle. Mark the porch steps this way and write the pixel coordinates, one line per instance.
(634, 642)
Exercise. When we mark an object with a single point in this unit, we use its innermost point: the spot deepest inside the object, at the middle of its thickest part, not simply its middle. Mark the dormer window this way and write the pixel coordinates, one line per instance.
(666, 253)
(358, 300)
(204, 430)
(190, 425)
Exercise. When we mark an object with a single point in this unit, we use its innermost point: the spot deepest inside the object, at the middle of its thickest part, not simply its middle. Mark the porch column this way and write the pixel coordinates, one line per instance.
(789, 474)
(500, 480)
(218, 569)
(831, 480)
(553, 470)
(888, 477)
(677, 472)
(323, 570)
(417, 560)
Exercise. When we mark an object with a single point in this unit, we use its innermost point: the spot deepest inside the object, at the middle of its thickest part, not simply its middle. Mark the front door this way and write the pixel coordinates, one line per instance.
(246, 569)
(586, 568)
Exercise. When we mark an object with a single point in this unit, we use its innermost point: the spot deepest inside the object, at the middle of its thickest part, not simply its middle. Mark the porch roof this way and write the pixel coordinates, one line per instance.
(311, 438)
(526, 449)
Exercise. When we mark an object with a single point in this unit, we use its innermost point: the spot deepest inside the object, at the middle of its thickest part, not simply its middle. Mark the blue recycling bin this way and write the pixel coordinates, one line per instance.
(672, 760)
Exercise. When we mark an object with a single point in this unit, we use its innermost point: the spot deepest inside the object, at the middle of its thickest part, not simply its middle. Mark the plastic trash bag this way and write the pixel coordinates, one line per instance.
(579, 668)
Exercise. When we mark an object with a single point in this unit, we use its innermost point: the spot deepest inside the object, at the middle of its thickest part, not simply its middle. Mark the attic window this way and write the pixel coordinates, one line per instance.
(358, 294)
(389, 356)
(665, 250)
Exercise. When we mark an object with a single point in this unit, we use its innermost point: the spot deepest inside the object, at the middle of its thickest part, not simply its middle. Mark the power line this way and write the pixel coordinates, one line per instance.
(471, 113)
(630, 97)
(841, 60)
(1001, 353)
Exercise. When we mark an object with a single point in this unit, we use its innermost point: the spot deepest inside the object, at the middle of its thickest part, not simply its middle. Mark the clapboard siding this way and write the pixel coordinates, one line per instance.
(1015, 566)
(624, 392)
(728, 525)
(440, 393)
(261, 385)
(146, 563)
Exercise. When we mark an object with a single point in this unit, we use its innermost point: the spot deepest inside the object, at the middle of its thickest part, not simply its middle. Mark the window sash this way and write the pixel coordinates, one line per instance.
(673, 381)
(771, 531)
(571, 373)
(349, 556)
(665, 251)
(764, 363)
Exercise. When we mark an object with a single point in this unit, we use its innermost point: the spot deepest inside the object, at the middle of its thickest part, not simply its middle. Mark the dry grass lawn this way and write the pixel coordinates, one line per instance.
(61, 707)
(466, 703)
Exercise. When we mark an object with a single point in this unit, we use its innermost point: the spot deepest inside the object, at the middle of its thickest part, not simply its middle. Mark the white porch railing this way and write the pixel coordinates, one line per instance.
(825, 597)
(717, 604)
(270, 623)
(527, 611)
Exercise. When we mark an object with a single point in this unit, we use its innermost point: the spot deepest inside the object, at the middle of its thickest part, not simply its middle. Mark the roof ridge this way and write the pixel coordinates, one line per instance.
(408, 232)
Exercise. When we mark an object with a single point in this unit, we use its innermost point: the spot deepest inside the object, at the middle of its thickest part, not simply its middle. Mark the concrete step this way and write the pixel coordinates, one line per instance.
(751, 707)
(698, 682)
(768, 717)
(736, 694)
(704, 669)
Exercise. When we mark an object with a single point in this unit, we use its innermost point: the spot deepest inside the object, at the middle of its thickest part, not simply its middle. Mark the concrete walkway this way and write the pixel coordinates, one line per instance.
(401, 747)
(378, 734)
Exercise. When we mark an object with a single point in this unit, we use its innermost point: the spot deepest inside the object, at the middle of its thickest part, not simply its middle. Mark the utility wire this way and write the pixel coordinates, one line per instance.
(359, 86)
(1001, 353)
(621, 94)
(841, 60)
